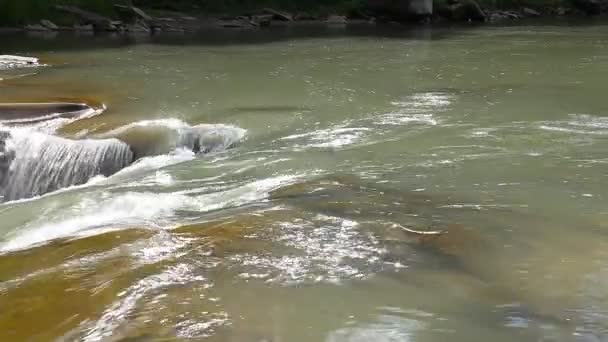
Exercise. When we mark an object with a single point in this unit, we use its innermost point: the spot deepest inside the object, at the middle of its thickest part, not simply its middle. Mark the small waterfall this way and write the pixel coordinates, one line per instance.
(34, 163)
(156, 137)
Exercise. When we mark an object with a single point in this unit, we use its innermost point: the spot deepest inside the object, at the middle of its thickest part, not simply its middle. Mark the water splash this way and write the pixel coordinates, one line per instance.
(155, 137)
(39, 163)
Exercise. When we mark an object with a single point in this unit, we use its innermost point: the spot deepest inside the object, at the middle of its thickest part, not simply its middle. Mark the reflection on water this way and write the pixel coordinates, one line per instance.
(354, 185)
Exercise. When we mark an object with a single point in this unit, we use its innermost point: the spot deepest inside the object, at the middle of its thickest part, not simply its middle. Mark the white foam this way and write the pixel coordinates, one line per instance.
(578, 124)
(155, 162)
(335, 137)
(117, 313)
(100, 213)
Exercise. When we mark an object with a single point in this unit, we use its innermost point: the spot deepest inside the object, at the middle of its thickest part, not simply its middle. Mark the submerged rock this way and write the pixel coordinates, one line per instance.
(156, 137)
(34, 112)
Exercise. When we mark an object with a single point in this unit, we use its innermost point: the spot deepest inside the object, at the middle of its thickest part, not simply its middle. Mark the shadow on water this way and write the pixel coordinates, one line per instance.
(28, 42)
(32, 42)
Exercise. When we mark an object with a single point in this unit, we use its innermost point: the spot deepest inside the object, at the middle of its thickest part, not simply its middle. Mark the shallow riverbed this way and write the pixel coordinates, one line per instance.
(327, 145)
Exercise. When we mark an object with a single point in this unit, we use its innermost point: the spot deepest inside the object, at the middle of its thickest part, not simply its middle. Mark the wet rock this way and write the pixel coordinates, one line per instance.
(529, 12)
(49, 24)
(137, 16)
(262, 20)
(84, 28)
(99, 22)
(137, 28)
(464, 10)
(36, 112)
(279, 15)
(336, 20)
(303, 16)
(36, 27)
(235, 23)
(399, 10)
(173, 29)
(497, 16)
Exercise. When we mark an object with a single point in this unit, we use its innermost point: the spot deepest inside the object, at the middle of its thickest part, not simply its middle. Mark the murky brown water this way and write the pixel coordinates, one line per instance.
(302, 231)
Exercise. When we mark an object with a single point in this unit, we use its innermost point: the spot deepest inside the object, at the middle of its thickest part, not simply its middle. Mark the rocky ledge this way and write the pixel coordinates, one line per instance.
(131, 19)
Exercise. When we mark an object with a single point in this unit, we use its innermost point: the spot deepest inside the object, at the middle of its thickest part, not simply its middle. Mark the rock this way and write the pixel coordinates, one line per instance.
(399, 10)
(99, 22)
(135, 14)
(529, 12)
(589, 7)
(137, 28)
(234, 23)
(49, 24)
(188, 18)
(560, 11)
(503, 15)
(284, 16)
(302, 16)
(36, 27)
(261, 20)
(84, 28)
(465, 10)
(35, 112)
(336, 20)
(173, 29)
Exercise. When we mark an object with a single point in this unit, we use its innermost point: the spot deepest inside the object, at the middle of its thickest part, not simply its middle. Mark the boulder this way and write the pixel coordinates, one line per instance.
(135, 14)
(529, 12)
(304, 16)
(36, 27)
(234, 23)
(99, 22)
(137, 28)
(465, 10)
(336, 20)
(399, 10)
(261, 20)
(84, 28)
(49, 24)
(279, 15)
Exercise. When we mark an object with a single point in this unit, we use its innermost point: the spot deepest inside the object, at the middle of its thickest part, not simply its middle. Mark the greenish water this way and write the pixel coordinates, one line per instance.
(497, 136)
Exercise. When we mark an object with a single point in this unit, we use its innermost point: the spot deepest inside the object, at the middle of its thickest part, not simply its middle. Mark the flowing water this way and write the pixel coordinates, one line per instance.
(275, 185)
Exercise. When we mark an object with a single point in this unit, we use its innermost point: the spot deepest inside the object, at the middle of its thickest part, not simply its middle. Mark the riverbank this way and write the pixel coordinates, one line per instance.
(182, 17)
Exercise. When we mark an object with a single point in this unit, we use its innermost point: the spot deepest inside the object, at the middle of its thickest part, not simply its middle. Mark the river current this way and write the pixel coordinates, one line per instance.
(308, 184)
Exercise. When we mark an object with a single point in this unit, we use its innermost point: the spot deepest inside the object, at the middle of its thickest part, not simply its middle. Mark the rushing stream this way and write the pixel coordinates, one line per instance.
(308, 184)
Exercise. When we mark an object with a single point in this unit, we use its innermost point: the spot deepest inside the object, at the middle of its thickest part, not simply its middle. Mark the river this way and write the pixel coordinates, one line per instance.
(323, 154)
